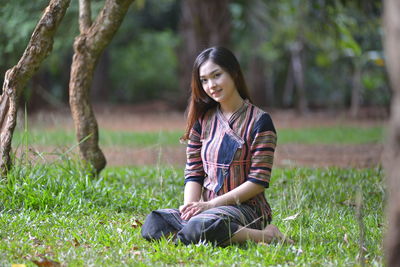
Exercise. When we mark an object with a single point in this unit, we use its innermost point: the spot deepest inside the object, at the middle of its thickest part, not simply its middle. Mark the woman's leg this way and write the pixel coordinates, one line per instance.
(267, 235)
(161, 223)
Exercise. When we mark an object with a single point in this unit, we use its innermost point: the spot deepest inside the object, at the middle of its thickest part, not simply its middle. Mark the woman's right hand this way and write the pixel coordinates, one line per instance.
(193, 208)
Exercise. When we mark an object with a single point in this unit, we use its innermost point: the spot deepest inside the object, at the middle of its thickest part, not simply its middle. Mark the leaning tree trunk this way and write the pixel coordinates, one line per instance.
(88, 47)
(39, 46)
(202, 24)
(392, 149)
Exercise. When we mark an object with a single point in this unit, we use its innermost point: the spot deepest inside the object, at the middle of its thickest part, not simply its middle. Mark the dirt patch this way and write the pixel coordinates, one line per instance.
(159, 117)
(288, 155)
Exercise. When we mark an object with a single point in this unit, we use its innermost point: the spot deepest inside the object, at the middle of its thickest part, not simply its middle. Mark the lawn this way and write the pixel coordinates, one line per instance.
(339, 134)
(60, 212)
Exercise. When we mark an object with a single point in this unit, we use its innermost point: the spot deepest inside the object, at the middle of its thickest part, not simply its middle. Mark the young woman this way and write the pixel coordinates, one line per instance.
(230, 152)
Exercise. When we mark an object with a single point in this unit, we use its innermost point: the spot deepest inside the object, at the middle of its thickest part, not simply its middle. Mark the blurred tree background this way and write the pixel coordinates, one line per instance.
(322, 54)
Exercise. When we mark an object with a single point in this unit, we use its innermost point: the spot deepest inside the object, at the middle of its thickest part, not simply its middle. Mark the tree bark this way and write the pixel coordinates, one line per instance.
(298, 75)
(356, 90)
(202, 24)
(39, 46)
(392, 149)
(88, 47)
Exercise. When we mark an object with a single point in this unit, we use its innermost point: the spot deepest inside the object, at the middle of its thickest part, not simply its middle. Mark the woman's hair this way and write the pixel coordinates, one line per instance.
(200, 102)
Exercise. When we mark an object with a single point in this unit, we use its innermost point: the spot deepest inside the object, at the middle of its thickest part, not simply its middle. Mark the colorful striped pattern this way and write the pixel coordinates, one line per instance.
(222, 154)
(232, 216)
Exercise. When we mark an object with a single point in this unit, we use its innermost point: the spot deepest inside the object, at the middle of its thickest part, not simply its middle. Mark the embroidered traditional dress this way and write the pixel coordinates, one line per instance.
(221, 155)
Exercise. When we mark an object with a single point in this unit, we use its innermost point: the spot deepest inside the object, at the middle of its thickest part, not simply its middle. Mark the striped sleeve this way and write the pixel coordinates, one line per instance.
(194, 165)
(262, 150)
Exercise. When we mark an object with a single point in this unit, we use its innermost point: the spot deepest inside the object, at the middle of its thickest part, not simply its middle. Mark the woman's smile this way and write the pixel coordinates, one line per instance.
(216, 92)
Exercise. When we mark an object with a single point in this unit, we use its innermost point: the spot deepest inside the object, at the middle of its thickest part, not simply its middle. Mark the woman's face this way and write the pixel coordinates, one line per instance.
(216, 82)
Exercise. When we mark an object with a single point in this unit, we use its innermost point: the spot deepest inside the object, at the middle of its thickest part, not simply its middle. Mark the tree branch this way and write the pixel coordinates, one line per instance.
(85, 15)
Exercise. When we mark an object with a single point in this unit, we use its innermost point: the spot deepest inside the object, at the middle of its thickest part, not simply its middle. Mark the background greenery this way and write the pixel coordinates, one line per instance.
(141, 62)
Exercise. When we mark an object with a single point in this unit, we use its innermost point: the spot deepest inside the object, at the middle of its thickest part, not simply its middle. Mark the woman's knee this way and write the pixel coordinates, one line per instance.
(214, 230)
(156, 226)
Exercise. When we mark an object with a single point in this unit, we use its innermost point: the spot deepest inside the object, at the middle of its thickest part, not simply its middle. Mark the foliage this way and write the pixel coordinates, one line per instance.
(146, 68)
(61, 213)
(338, 36)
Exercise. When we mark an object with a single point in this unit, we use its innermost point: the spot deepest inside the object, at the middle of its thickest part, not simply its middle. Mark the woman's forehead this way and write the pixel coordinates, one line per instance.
(208, 68)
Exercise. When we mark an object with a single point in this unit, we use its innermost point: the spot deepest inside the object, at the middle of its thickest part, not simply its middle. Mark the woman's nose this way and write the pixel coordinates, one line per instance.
(211, 83)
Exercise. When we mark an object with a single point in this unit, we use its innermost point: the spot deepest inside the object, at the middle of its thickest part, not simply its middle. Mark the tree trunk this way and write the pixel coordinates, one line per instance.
(257, 80)
(356, 90)
(392, 149)
(202, 24)
(298, 75)
(288, 89)
(88, 47)
(39, 46)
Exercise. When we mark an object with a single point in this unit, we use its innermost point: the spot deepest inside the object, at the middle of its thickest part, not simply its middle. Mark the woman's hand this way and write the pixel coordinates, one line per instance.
(193, 208)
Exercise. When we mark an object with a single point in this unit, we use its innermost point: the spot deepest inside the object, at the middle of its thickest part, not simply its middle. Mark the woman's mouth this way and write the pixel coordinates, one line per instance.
(216, 92)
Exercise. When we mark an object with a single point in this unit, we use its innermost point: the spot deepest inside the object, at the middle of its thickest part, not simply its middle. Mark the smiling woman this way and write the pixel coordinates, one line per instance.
(230, 151)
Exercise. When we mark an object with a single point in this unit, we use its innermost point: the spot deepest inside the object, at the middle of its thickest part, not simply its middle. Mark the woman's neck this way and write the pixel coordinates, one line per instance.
(230, 107)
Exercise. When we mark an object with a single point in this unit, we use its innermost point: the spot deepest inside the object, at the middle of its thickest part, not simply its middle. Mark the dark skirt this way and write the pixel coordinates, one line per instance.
(216, 225)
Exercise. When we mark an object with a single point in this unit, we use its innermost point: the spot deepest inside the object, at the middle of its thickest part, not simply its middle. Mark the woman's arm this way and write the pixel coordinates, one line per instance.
(192, 192)
(236, 196)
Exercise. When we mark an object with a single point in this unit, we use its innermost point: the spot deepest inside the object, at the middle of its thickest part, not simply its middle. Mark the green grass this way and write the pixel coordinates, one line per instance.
(332, 135)
(60, 212)
(315, 135)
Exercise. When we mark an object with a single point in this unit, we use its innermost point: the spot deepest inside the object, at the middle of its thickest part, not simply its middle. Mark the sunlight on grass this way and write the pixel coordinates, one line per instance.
(62, 212)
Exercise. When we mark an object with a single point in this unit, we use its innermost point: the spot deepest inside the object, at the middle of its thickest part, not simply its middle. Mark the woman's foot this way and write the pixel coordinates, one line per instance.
(272, 233)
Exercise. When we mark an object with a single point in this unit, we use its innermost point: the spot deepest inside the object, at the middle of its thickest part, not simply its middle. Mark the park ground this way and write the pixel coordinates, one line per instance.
(158, 118)
(327, 192)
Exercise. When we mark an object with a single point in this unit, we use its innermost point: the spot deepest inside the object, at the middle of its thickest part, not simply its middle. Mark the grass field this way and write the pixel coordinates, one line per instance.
(312, 135)
(62, 213)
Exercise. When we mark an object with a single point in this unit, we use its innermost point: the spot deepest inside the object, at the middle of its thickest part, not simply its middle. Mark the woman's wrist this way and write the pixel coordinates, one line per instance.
(212, 203)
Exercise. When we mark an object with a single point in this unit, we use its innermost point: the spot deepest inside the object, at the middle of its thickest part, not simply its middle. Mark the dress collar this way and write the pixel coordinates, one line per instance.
(236, 114)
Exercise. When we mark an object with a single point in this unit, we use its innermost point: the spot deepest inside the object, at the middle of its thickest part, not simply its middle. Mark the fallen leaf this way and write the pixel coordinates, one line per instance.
(136, 224)
(43, 262)
(291, 217)
(18, 265)
(76, 243)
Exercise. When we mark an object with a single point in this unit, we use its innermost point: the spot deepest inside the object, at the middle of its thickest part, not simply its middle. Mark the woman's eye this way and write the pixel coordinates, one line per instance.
(203, 81)
(216, 75)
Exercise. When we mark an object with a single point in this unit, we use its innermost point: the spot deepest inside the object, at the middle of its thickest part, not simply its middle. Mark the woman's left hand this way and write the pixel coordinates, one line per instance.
(193, 208)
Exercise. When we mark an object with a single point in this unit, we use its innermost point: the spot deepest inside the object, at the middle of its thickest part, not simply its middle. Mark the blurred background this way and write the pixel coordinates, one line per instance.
(303, 55)
(316, 66)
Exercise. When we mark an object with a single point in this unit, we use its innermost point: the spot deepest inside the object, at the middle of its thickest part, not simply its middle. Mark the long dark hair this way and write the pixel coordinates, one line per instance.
(200, 102)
